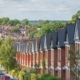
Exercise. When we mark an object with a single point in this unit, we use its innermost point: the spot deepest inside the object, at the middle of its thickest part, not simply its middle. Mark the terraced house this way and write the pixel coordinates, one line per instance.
(54, 48)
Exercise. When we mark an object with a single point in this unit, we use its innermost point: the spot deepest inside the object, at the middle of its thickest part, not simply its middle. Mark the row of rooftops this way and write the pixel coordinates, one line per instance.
(7, 31)
(55, 39)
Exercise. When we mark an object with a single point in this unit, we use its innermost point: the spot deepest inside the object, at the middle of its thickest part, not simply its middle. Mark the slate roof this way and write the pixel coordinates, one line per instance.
(54, 39)
(48, 41)
(61, 37)
(78, 26)
(70, 29)
(42, 42)
(35, 45)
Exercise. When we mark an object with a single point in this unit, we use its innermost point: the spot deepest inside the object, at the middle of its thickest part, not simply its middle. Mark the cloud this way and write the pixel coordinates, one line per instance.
(1, 2)
(42, 8)
(61, 9)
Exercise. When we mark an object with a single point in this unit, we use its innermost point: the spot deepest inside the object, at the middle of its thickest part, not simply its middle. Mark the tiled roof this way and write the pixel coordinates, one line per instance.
(70, 29)
(48, 41)
(54, 39)
(42, 42)
(61, 37)
(78, 26)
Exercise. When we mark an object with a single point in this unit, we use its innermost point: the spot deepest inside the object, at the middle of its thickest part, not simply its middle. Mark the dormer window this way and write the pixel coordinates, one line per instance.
(19, 47)
(67, 38)
(36, 46)
(32, 47)
(76, 37)
(45, 43)
(51, 44)
(40, 46)
(67, 41)
(22, 48)
(26, 48)
(58, 44)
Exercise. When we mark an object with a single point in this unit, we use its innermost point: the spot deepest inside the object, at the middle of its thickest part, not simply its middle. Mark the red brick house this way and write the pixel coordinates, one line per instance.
(54, 48)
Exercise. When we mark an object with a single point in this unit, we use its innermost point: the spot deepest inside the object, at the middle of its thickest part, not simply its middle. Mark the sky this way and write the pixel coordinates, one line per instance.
(39, 9)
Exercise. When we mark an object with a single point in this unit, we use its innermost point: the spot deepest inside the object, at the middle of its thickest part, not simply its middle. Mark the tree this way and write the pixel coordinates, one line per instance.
(74, 58)
(49, 27)
(14, 22)
(75, 16)
(16, 28)
(7, 54)
(25, 22)
(49, 77)
(32, 34)
(4, 21)
(23, 75)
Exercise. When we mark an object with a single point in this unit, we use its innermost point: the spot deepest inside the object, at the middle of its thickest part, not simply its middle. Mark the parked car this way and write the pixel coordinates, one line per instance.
(5, 78)
(1, 75)
(13, 79)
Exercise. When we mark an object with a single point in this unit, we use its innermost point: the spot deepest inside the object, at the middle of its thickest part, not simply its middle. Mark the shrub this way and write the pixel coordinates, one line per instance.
(48, 77)
(35, 77)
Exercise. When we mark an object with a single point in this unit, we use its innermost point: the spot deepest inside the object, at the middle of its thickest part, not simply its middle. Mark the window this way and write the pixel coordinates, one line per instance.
(40, 46)
(26, 48)
(76, 33)
(51, 44)
(17, 47)
(67, 41)
(45, 43)
(67, 52)
(52, 56)
(67, 38)
(32, 47)
(59, 54)
(36, 45)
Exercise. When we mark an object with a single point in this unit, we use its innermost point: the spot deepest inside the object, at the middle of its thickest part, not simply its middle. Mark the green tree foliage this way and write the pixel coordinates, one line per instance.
(31, 30)
(16, 28)
(24, 22)
(7, 21)
(40, 23)
(43, 63)
(74, 58)
(7, 54)
(75, 16)
(36, 29)
(23, 75)
(32, 34)
(36, 68)
(35, 72)
(49, 77)
(14, 22)
(49, 27)
(4, 21)
(14, 73)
